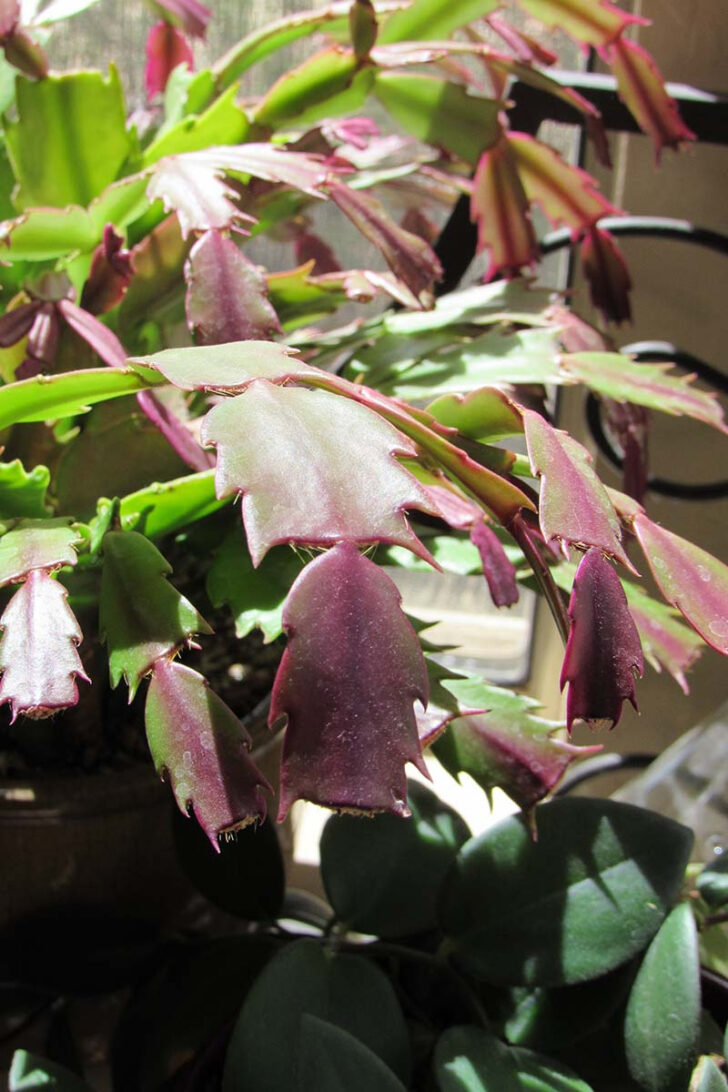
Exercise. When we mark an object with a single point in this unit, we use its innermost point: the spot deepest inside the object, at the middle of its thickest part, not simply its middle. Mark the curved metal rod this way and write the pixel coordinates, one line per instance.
(654, 227)
(602, 764)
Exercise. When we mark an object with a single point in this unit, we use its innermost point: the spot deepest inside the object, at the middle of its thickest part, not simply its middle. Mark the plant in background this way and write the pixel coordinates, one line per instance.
(374, 444)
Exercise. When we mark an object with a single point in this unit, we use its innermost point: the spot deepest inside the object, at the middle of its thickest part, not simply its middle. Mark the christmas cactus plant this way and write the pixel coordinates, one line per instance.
(292, 464)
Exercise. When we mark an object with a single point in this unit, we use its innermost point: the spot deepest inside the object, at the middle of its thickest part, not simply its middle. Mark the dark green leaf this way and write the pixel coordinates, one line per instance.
(585, 897)
(23, 492)
(712, 883)
(255, 596)
(141, 616)
(245, 878)
(662, 1021)
(305, 978)
(29, 1073)
(440, 113)
(70, 138)
(536, 1073)
(383, 876)
(468, 1059)
(331, 1059)
(707, 1077)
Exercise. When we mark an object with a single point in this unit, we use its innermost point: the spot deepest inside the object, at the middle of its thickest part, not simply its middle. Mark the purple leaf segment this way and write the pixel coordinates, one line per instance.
(689, 578)
(497, 569)
(166, 48)
(608, 275)
(203, 747)
(574, 506)
(349, 486)
(38, 649)
(36, 544)
(347, 682)
(227, 298)
(603, 652)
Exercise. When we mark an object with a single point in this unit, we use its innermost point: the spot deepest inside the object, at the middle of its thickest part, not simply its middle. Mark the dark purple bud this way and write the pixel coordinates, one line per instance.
(112, 268)
(603, 652)
(42, 342)
(347, 684)
(167, 48)
(497, 569)
(312, 248)
(16, 323)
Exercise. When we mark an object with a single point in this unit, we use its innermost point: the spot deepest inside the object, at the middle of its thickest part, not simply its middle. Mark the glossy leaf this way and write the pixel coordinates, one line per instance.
(614, 375)
(70, 138)
(38, 649)
(350, 488)
(469, 1059)
(484, 414)
(202, 747)
(410, 258)
(230, 368)
(537, 1073)
(574, 506)
(507, 745)
(567, 195)
(347, 682)
(227, 299)
(255, 596)
(425, 19)
(164, 507)
(23, 492)
(641, 87)
(689, 578)
(304, 979)
(603, 652)
(499, 206)
(383, 877)
(594, 22)
(44, 398)
(662, 1020)
(331, 1059)
(440, 113)
(583, 898)
(30, 1073)
(36, 544)
(134, 573)
(707, 1077)
(325, 85)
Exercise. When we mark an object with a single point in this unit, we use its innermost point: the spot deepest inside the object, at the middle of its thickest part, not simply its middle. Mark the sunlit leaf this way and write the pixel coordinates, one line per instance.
(614, 375)
(603, 652)
(40, 234)
(141, 616)
(29, 1073)
(583, 898)
(38, 649)
(202, 746)
(567, 195)
(255, 596)
(347, 682)
(223, 122)
(485, 414)
(508, 746)
(666, 642)
(470, 1059)
(440, 113)
(227, 299)
(594, 22)
(689, 578)
(707, 1077)
(499, 205)
(313, 88)
(230, 367)
(45, 398)
(641, 87)
(70, 138)
(350, 487)
(164, 507)
(36, 544)
(537, 1073)
(574, 506)
(424, 19)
